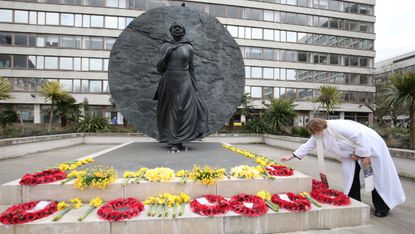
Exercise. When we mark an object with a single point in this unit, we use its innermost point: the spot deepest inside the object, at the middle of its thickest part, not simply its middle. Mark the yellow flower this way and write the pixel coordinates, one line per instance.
(96, 178)
(63, 167)
(89, 159)
(129, 174)
(162, 174)
(62, 205)
(76, 203)
(95, 202)
(182, 173)
(184, 198)
(245, 172)
(264, 195)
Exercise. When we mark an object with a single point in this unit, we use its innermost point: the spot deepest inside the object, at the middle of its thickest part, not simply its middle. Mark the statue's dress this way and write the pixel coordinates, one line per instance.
(182, 114)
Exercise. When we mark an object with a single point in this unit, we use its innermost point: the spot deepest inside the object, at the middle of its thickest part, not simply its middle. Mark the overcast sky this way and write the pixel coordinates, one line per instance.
(395, 28)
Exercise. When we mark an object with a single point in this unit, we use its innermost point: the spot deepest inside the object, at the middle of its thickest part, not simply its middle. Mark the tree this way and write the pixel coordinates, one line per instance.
(329, 97)
(5, 89)
(7, 116)
(246, 108)
(67, 109)
(402, 93)
(52, 91)
(280, 113)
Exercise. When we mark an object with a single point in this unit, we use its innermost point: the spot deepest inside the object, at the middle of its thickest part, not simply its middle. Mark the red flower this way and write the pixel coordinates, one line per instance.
(43, 177)
(296, 203)
(218, 205)
(259, 207)
(279, 170)
(18, 214)
(120, 209)
(330, 196)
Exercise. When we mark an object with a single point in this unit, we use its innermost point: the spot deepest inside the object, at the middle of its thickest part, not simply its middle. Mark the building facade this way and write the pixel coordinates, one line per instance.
(290, 48)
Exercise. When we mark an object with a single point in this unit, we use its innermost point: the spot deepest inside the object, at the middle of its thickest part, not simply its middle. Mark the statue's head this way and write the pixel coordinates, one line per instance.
(177, 30)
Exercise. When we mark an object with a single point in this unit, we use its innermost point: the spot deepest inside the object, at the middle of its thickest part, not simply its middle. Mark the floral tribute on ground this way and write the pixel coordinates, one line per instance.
(42, 177)
(159, 206)
(322, 193)
(210, 205)
(120, 209)
(291, 201)
(65, 208)
(279, 170)
(28, 212)
(98, 177)
(248, 205)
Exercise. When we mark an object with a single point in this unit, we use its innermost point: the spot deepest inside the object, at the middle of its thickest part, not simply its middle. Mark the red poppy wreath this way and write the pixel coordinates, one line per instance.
(296, 202)
(248, 205)
(279, 170)
(210, 205)
(120, 209)
(42, 177)
(28, 212)
(330, 196)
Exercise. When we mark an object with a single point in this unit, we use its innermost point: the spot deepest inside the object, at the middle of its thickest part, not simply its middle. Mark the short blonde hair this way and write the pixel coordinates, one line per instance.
(316, 125)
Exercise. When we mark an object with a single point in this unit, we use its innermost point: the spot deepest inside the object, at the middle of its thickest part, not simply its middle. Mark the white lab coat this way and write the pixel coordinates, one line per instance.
(367, 144)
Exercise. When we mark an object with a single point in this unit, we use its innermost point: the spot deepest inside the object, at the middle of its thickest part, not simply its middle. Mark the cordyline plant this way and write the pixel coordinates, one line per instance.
(329, 97)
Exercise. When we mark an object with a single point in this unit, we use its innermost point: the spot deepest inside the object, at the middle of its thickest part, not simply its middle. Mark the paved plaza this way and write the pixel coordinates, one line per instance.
(400, 220)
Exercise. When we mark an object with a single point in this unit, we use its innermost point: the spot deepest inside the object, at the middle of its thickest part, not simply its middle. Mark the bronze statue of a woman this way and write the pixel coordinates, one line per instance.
(182, 115)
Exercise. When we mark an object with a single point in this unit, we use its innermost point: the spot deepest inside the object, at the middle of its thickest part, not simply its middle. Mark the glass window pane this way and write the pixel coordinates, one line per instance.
(77, 42)
(276, 92)
(96, 42)
(76, 86)
(268, 54)
(52, 18)
(85, 64)
(5, 60)
(241, 32)
(247, 72)
(20, 61)
(31, 62)
(51, 62)
(40, 62)
(256, 33)
(253, 14)
(20, 39)
(248, 90)
(52, 41)
(276, 35)
(112, 3)
(248, 33)
(268, 92)
(97, 21)
(5, 38)
(334, 59)
(323, 22)
(256, 72)
(77, 64)
(111, 22)
(109, 43)
(233, 30)
(84, 86)
(268, 73)
(21, 17)
(291, 37)
(67, 42)
(291, 74)
(65, 63)
(256, 92)
(95, 64)
(78, 20)
(6, 15)
(86, 21)
(67, 19)
(41, 18)
(95, 86)
(268, 34)
(121, 22)
(106, 88)
(66, 85)
(268, 15)
(276, 73)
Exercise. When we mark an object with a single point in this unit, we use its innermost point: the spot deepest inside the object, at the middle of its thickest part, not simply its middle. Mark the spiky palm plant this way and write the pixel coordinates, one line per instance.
(329, 97)
(52, 91)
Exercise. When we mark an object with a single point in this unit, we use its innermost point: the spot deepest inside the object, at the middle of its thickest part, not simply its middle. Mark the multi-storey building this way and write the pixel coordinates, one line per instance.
(401, 63)
(290, 47)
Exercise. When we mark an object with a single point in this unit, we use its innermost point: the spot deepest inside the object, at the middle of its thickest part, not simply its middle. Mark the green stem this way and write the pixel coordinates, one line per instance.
(67, 180)
(272, 206)
(174, 210)
(59, 216)
(183, 180)
(125, 182)
(150, 209)
(181, 209)
(166, 210)
(312, 200)
(90, 209)
(137, 180)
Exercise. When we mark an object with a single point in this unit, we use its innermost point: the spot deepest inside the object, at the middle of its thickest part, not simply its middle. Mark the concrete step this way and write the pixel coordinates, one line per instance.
(12, 192)
(326, 217)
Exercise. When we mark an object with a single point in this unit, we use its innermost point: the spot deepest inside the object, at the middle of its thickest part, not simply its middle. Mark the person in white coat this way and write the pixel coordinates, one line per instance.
(352, 141)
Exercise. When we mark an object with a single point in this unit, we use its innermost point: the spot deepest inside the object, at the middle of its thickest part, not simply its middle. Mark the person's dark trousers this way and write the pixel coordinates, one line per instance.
(354, 193)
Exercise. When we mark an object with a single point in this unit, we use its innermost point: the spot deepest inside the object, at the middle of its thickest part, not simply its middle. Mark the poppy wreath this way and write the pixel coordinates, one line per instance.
(218, 205)
(296, 203)
(42, 177)
(330, 196)
(319, 185)
(17, 214)
(279, 170)
(120, 209)
(238, 205)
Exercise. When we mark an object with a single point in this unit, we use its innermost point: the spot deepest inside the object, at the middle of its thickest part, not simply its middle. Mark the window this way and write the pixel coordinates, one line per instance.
(31, 62)
(233, 30)
(67, 19)
(268, 15)
(256, 33)
(33, 17)
(248, 33)
(256, 92)
(77, 64)
(21, 17)
(276, 73)
(86, 23)
(121, 22)
(291, 18)
(302, 37)
(52, 41)
(65, 63)
(41, 17)
(85, 64)
(20, 39)
(241, 32)
(51, 62)
(52, 18)
(96, 43)
(268, 34)
(323, 22)
(66, 84)
(95, 64)
(353, 60)
(112, 3)
(20, 61)
(111, 22)
(32, 40)
(39, 62)
(268, 73)
(97, 21)
(302, 19)
(95, 86)
(256, 72)
(109, 43)
(76, 86)
(291, 74)
(78, 20)
(302, 57)
(6, 16)
(268, 54)
(67, 42)
(247, 72)
(268, 92)
(84, 86)
(290, 56)
(363, 62)
(334, 59)
(291, 37)
(105, 87)
(253, 14)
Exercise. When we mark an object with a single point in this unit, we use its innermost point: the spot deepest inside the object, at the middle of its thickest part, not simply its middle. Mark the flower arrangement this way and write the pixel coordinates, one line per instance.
(183, 175)
(210, 205)
(279, 170)
(159, 174)
(206, 175)
(42, 177)
(307, 195)
(95, 178)
(330, 196)
(69, 166)
(266, 196)
(159, 206)
(28, 212)
(73, 175)
(291, 201)
(120, 209)
(93, 204)
(65, 208)
(248, 205)
(135, 177)
(245, 172)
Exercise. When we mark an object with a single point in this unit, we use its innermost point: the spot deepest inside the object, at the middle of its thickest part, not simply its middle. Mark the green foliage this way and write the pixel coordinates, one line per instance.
(93, 124)
(257, 126)
(280, 114)
(329, 97)
(5, 89)
(52, 91)
(300, 131)
(8, 115)
(246, 106)
(67, 109)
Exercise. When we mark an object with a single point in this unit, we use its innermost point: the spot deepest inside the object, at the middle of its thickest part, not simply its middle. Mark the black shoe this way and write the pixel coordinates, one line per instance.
(381, 213)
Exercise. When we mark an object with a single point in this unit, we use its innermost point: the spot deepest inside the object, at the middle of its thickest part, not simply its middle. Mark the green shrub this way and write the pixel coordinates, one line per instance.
(93, 124)
(257, 126)
(300, 131)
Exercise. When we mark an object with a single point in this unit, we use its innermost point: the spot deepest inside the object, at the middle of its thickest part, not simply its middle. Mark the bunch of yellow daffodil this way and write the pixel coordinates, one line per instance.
(245, 172)
(135, 177)
(267, 198)
(159, 206)
(75, 204)
(96, 178)
(183, 175)
(162, 174)
(206, 175)
(72, 165)
(93, 204)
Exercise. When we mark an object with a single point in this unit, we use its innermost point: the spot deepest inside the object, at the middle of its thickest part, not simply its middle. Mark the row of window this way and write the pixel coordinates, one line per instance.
(305, 57)
(334, 5)
(297, 94)
(63, 19)
(306, 75)
(283, 17)
(299, 37)
(56, 41)
(114, 22)
(20, 84)
(53, 63)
